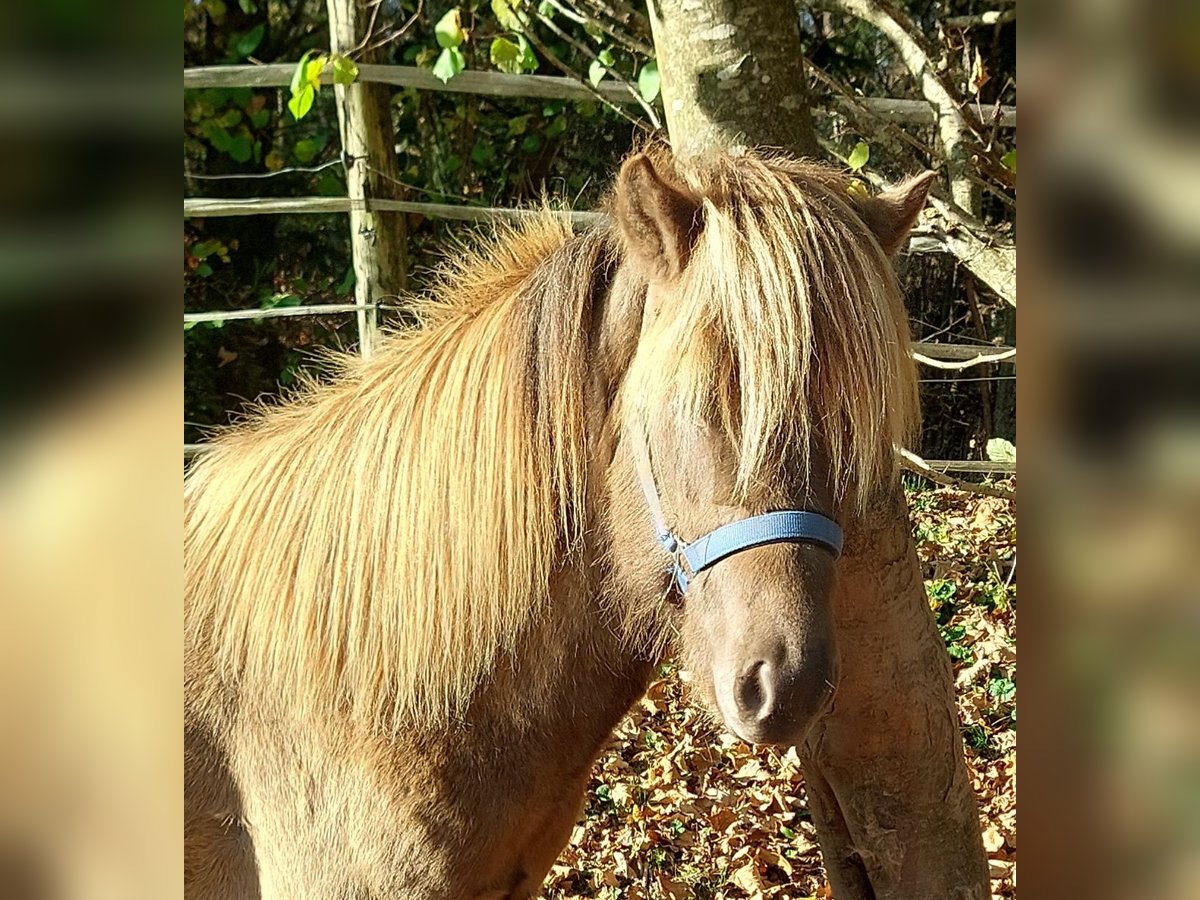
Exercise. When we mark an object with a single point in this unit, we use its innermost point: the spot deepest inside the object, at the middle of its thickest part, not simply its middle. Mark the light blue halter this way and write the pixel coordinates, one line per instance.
(690, 559)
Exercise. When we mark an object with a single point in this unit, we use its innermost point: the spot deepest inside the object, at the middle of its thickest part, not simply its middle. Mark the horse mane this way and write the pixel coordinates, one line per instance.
(787, 328)
(377, 541)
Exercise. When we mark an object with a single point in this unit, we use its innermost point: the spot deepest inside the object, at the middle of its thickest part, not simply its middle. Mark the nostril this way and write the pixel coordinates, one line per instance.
(754, 692)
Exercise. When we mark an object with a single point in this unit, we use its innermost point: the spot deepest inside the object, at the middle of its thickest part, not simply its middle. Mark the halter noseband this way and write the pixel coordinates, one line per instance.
(690, 559)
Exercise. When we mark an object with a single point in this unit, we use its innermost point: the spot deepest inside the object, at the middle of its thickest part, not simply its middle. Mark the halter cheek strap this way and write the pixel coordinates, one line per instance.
(690, 559)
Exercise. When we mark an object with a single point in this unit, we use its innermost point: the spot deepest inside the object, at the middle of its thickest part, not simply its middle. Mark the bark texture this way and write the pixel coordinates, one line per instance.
(887, 786)
(732, 75)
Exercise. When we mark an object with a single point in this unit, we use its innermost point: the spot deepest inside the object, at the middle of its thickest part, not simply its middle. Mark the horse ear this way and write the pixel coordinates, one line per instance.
(658, 218)
(892, 214)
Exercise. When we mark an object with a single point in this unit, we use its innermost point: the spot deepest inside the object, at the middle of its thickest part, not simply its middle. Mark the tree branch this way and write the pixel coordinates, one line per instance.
(918, 466)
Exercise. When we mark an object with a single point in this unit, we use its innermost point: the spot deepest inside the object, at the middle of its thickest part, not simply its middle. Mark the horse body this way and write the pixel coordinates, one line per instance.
(476, 809)
(419, 598)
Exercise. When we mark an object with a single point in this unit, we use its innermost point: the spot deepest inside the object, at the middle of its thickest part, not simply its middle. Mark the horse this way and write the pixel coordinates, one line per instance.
(422, 592)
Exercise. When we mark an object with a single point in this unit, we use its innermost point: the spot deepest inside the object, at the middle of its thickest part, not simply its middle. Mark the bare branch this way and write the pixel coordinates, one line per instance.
(915, 464)
(992, 17)
(965, 363)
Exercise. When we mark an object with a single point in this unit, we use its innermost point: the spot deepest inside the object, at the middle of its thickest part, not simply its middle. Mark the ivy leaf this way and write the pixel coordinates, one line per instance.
(596, 73)
(449, 63)
(649, 83)
(245, 44)
(506, 56)
(301, 102)
(507, 15)
(450, 34)
(1000, 450)
(1009, 160)
(858, 156)
(344, 70)
(599, 66)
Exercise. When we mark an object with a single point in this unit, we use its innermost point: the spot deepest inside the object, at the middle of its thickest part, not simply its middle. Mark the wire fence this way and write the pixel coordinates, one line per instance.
(938, 355)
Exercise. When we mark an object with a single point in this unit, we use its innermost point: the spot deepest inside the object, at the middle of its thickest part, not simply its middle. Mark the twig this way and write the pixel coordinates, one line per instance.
(992, 17)
(395, 33)
(965, 363)
(617, 76)
(625, 39)
(575, 76)
(915, 464)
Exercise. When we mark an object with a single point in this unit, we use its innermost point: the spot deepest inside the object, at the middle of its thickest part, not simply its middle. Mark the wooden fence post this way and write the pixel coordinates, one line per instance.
(377, 239)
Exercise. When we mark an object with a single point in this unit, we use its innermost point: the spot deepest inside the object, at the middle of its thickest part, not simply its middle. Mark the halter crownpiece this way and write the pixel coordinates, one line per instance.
(794, 526)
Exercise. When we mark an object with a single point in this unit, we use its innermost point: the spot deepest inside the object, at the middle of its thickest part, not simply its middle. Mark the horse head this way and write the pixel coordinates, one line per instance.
(755, 348)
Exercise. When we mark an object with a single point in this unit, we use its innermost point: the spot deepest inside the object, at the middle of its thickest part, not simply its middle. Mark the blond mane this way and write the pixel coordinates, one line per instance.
(378, 542)
(787, 328)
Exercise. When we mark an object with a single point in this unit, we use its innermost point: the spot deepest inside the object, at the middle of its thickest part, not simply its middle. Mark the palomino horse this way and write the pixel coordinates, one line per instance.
(421, 596)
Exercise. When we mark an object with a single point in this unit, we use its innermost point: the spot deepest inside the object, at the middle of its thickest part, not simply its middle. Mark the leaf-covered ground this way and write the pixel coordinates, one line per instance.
(678, 808)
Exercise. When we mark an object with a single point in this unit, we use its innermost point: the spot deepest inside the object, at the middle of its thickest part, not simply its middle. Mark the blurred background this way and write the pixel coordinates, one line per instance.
(92, 379)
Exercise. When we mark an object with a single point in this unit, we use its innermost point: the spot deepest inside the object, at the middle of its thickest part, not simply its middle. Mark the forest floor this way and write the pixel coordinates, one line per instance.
(679, 808)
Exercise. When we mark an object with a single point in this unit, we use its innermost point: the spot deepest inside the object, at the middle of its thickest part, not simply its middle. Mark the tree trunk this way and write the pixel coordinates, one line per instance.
(887, 785)
(732, 75)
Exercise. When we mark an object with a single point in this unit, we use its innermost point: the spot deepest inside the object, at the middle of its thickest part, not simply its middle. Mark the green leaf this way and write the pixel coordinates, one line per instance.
(188, 326)
(649, 83)
(298, 73)
(305, 150)
(301, 102)
(260, 117)
(449, 63)
(517, 125)
(205, 249)
(596, 72)
(344, 70)
(330, 185)
(347, 283)
(248, 7)
(506, 56)
(449, 33)
(507, 15)
(1000, 450)
(204, 270)
(1002, 689)
(273, 301)
(529, 60)
(858, 156)
(312, 71)
(1009, 160)
(245, 44)
(531, 144)
(241, 148)
(217, 135)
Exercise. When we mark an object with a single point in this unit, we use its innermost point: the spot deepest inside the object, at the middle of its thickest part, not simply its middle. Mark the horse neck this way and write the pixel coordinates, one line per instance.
(572, 671)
